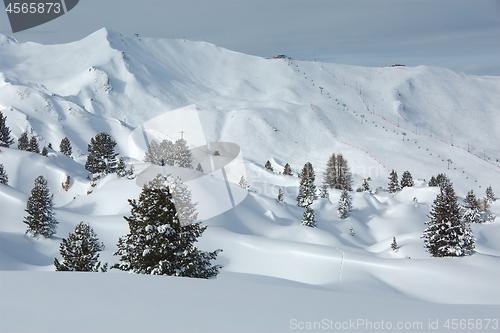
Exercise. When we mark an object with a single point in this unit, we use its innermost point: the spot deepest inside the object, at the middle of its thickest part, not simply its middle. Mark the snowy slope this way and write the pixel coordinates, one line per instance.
(380, 119)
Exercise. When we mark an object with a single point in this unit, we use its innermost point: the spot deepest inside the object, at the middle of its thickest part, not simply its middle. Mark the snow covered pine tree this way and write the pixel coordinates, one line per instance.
(5, 138)
(307, 189)
(345, 205)
(308, 218)
(287, 170)
(407, 179)
(447, 235)
(40, 219)
(102, 156)
(158, 243)
(471, 209)
(4, 179)
(23, 141)
(393, 185)
(80, 251)
(65, 147)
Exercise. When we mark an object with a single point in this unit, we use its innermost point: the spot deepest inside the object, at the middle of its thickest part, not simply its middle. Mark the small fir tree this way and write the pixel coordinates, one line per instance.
(490, 196)
(307, 189)
(268, 166)
(471, 210)
(345, 205)
(287, 170)
(447, 235)
(153, 155)
(280, 195)
(23, 141)
(158, 243)
(44, 151)
(199, 167)
(407, 180)
(65, 184)
(393, 185)
(33, 145)
(120, 168)
(130, 173)
(308, 218)
(182, 154)
(65, 147)
(40, 218)
(102, 157)
(80, 251)
(433, 182)
(323, 192)
(216, 153)
(243, 183)
(5, 138)
(394, 244)
(4, 179)
(365, 187)
(351, 231)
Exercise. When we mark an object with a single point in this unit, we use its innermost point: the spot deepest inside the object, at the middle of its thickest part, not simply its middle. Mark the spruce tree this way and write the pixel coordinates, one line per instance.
(33, 145)
(40, 218)
(365, 186)
(166, 153)
(307, 189)
(344, 176)
(243, 183)
(216, 153)
(345, 205)
(287, 170)
(433, 182)
(182, 154)
(330, 176)
(268, 166)
(323, 192)
(44, 151)
(5, 138)
(447, 235)
(407, 180)
(471, 209)
(186, 209)
(120, 168)
(80, 251)
(102, 156)
(308, 218)
(23, 141)
(199, 167)
(490, 196)
(394, 244)
(393, 185)
(4, 179)
(280, 195)
(153, 155)
(65, 147)
(158, 243)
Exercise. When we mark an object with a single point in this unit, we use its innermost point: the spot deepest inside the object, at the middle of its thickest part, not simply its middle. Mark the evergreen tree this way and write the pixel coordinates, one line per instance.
(40, 218)
(393, 186)
(243, 183)
(186, 209)
(44, 151)
(345, 205)
(307, 189)
(33, 145)
(4, 179)
(23, 142)
(130, 173)
(280, 195)
(490, 196)
(287, 170)
(337, 173)
(351, 231)
(323, 192)
(66, 183)
(447, 235)
(158, 243)
(470, 211)
(433, 182)
(102, 156)
(407, 180)
(441, 180)
(182, 154)
(65, 147)
(308, 218)
(365, 186)
(394, 244)
(216, 153)
(166, 153)
(80, 251)
(120, 168)
(268, 166)
(199, 167)
(153, 155)
(5, 138)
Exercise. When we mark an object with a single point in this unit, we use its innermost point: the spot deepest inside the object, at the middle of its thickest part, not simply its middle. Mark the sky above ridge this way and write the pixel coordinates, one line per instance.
(463, 35)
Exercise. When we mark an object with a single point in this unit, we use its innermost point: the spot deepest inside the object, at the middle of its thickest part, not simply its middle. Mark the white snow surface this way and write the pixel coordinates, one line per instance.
(277, 273)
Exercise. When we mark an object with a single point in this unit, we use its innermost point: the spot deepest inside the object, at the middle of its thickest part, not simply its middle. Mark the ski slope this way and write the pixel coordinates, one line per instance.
(422, 119)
